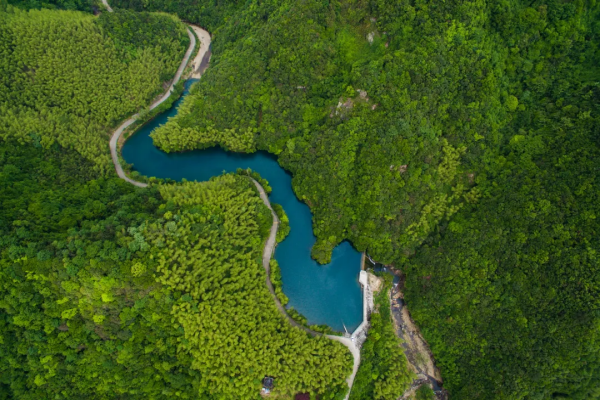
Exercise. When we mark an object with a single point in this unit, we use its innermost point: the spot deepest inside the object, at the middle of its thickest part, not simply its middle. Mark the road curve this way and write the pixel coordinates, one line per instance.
(267, 254)
(114, 140)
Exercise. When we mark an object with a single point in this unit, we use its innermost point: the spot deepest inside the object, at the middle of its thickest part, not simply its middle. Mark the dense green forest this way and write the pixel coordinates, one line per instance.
(457, 141)
(508, 292)
(80, 5)
(109, 291)
(68, 77)
(209, 14)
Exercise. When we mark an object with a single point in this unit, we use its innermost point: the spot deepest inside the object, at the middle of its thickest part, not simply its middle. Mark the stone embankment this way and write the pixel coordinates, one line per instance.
(417, 351)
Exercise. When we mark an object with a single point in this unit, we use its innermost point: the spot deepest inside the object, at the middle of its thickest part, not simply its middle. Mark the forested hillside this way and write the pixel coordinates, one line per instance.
(81, 5)
(209, 14)
(456, 140)
(109, 291)
(508, 291)
(383, 138)
(68, 77)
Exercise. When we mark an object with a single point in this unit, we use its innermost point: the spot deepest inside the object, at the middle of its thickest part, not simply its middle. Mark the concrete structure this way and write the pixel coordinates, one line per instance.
(359, 335)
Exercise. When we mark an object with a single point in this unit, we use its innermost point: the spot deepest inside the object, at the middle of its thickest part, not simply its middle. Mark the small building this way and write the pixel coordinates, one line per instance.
(268, 384)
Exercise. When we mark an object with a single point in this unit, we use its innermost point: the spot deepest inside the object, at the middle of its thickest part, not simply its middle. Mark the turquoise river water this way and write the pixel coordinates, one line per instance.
(325, 294)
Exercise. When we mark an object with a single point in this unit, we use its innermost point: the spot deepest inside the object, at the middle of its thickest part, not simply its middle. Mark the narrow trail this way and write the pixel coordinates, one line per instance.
(199, 64)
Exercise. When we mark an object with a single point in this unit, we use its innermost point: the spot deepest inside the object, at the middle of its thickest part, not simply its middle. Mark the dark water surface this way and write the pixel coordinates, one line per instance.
(325, 294)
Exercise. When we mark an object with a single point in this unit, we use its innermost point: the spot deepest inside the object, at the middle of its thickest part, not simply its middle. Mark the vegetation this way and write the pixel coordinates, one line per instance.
(383, 373)
(424, 392)
(209, 14)
(284, 226)
(507, 293)
(277, 282)
(456, 140)
(68, 78)
(77, 316)
(108, 291)
(80, 5)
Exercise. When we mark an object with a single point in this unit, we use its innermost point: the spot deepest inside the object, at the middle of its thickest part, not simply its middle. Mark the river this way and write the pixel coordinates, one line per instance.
(325, 294)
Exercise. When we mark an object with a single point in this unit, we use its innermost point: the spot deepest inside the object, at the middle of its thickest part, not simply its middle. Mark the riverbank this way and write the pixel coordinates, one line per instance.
(200, 62)
(146, 116)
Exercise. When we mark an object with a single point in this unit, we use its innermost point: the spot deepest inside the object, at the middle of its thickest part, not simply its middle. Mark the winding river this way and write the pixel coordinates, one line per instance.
(325, 294)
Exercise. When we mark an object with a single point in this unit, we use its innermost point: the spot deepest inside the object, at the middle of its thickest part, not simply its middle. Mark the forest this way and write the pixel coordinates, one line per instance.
(456, 141)
(68, 77)
(519, 272)
(108, 291)
(80, 5)
(209, 14)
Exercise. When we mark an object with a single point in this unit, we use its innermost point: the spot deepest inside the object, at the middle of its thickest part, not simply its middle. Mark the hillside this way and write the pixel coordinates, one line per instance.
(108, 291)
(457, 141)
(68, 77)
